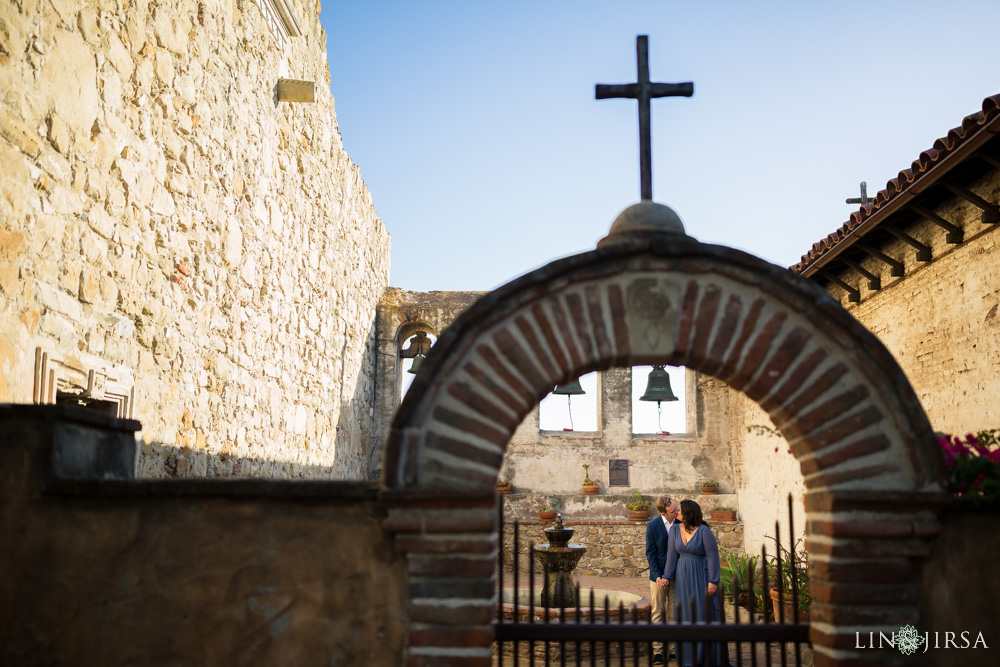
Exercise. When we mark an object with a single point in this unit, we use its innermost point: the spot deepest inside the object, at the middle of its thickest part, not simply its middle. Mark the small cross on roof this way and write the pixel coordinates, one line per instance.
(864, 200)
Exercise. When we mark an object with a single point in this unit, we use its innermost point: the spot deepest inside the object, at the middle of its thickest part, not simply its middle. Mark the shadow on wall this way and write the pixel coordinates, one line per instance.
(321, 435)
(170, 460)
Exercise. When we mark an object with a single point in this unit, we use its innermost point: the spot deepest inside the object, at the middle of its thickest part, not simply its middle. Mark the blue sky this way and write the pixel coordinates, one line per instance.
(477, 132)
(476, 128)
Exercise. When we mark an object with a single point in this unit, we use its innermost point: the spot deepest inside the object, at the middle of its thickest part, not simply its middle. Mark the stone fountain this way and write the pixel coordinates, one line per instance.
(559, 558)
(558, 601)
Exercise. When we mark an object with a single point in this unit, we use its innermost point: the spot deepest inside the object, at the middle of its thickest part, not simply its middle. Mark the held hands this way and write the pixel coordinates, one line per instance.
(662, 583)
(711, 588)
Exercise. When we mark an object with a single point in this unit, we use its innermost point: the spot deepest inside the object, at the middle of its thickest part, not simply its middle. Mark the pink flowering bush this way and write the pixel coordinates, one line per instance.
(973, 464)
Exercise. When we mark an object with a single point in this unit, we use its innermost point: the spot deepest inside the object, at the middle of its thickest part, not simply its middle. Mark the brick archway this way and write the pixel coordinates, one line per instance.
(867, 451)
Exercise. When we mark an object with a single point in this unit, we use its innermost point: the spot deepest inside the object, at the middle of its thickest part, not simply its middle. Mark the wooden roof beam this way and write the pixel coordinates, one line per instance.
(991, 212)
(853, 294)
(955, 233)
(897, 269)
(990, 160)
(874, 282)
(923, 252)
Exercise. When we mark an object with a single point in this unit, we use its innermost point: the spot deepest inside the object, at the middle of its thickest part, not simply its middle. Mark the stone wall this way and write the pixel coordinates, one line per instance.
(941, 320)
(614, 548)
(400, 315)
(164, 221)
(550, 462)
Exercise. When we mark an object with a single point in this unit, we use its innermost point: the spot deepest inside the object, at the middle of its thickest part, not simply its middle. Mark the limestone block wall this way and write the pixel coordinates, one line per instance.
(614, 548)
(164, 218)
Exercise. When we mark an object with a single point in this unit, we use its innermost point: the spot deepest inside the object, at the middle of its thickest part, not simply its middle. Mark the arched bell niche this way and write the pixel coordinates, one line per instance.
(411, 349)
(650, 294)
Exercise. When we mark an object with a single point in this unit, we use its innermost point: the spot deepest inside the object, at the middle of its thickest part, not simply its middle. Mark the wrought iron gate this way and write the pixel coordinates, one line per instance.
(615, 636)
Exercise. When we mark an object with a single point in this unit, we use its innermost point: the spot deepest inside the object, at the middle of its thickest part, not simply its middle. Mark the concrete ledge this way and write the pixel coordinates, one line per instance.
(603, 507)
(66, 442)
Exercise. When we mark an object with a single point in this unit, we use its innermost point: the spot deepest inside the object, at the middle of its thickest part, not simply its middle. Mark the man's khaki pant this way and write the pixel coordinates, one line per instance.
(662, 609)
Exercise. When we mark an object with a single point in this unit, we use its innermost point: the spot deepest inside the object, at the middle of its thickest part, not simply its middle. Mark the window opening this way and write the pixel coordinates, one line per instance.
(571, 412)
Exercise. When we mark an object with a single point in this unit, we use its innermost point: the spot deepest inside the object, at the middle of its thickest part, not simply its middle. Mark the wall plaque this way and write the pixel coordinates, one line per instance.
(618, 472)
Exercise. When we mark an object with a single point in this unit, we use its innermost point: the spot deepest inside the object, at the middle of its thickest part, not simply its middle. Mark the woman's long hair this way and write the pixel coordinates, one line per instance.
(692, 514)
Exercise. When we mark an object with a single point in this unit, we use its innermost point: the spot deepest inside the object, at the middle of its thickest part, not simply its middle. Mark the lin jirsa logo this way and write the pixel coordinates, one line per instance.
(908, 640)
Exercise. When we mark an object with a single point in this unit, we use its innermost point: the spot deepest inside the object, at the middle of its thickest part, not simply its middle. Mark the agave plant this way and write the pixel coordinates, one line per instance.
(736, 576)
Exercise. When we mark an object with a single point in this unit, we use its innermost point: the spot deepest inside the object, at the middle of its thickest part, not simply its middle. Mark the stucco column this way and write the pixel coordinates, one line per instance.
(615, 394)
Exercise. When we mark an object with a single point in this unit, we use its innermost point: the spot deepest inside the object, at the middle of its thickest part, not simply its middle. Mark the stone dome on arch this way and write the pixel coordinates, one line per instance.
(652, 294)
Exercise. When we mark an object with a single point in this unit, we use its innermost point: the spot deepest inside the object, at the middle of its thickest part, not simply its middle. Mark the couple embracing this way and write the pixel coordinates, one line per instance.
(683, 558)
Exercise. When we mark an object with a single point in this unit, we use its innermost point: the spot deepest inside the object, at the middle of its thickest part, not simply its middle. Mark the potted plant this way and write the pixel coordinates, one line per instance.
(737, 573)
(709, 488)
(638, 507)
(504, 487)
(546, 513)
(789, 571)
(723, 514)
(590, 487)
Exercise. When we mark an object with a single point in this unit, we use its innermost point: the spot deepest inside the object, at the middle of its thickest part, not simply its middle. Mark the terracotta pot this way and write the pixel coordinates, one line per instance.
(638, 515)
(505, 490)
(709, 490)
(590, 489)
(723, 515)
(547, 516)
(789, 611)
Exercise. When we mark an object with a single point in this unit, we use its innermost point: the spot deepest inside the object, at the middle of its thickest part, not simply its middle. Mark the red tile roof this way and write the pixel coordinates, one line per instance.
(928, 159)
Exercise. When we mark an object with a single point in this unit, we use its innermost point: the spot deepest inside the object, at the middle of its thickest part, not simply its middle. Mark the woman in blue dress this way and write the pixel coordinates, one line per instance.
(693, 568)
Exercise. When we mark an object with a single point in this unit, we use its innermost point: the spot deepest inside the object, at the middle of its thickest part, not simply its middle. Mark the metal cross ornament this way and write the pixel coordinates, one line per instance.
(864, 200)
(643, 91)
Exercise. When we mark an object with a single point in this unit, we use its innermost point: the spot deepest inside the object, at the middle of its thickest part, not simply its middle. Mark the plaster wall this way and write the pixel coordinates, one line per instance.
(766, 473)
(163, 216)
(954, 596)
(550, 462)
(187, 572)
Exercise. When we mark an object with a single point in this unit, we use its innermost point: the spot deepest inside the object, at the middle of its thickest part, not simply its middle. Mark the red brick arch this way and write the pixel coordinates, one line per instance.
(865, 446)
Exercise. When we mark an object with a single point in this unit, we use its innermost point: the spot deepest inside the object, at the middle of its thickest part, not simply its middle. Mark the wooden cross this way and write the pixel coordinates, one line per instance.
(864, 200)
(643, 91)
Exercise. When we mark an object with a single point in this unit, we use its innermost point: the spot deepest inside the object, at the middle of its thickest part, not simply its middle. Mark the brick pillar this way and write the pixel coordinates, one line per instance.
(864, 550)
(449, 540)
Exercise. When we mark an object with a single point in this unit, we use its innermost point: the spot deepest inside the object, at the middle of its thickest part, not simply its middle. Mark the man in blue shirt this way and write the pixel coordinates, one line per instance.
(660, 593)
